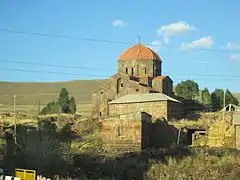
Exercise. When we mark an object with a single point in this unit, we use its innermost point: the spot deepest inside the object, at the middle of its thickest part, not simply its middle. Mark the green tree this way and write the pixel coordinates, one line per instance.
(187, 89)
(219, 93)
(72, 105)
(218, 97)
(215, 101)
(63, 101)
(62, 105)
(230, 98)
(51, 108)
(206, 96)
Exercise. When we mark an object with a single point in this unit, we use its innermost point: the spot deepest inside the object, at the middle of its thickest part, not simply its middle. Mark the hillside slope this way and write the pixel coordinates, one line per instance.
(29, 93)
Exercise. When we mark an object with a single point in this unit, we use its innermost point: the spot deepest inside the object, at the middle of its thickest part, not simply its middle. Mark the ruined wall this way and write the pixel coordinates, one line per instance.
(129, 137)
(128, 132)
(220, 132)
(156, 109)
(141, 66)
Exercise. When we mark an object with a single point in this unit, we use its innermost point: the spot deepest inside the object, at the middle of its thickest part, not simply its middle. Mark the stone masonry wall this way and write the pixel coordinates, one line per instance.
(157, 109)
(137, 67)
(167, 87)
(221, 133)
(117, 86)
(129, 139)
(163, 85)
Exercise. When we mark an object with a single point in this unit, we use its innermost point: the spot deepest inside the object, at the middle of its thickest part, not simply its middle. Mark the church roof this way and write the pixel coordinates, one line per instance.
(139, 51)
(148, 97)
(160, 77)
(143, 75)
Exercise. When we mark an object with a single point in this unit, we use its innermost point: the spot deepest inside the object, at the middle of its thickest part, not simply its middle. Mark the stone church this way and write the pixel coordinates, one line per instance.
(137, 86)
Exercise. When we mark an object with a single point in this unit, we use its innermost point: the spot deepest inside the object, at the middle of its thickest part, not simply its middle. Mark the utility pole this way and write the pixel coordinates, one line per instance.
(224, 104)
(14, 111)
(15, 120)
(38, 107)
(179, 134)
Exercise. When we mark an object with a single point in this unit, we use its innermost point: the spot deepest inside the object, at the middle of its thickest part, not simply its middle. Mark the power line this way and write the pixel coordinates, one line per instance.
(49, 72)
(106, 76)
(61, 36)
(5, 30)
(48, 65)
(85, 67)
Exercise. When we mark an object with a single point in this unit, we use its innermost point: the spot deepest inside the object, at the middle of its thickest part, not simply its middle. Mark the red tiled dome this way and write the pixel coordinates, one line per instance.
(139, 51)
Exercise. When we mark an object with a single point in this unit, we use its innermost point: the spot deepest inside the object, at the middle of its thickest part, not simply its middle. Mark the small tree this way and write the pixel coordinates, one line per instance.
(187, 89)
(230, 98)
(215, 101)
(62, 105)
(206, 96)
(63, 101)
(219, 93)
(72, 105)
(51, 108)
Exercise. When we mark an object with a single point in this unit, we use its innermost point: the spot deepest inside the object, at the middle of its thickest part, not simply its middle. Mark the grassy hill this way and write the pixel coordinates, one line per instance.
(29, 94)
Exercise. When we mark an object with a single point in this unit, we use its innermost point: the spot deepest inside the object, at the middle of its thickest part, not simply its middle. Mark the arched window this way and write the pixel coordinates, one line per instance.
(120, 131)
(132, 72)
(119, 85)
(145, 70)
(126, 70)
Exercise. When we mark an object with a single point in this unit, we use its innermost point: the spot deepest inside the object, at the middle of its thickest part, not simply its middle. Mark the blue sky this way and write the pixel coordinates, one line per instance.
(196, 40)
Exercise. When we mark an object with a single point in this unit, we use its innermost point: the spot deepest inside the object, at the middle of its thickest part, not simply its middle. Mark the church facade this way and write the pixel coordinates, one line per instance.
(139, 72)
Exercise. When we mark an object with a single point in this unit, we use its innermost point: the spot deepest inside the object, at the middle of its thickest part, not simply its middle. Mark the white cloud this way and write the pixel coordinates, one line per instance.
(234, 57)
(166, 40)
(118, 23)
(233, 46)
(155, 45)
(204, 42)
(175, 29)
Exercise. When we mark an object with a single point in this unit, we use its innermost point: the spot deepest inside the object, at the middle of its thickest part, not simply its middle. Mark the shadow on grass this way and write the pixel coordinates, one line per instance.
(126, 166)
(47, 150)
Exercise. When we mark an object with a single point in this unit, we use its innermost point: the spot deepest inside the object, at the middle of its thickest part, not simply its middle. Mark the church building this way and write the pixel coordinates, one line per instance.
(137, 86)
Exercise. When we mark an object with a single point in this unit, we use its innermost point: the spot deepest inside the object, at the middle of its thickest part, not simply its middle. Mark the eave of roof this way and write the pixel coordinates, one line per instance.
(147, 97)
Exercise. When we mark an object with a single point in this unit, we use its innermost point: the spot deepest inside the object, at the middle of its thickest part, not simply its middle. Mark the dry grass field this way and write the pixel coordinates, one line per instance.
(29, 94)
